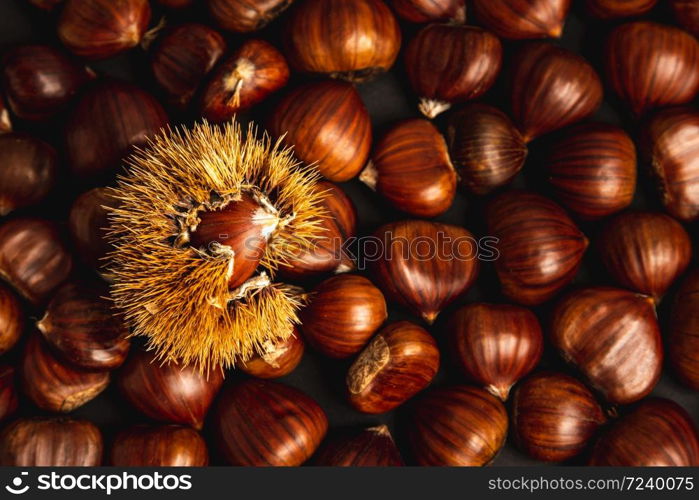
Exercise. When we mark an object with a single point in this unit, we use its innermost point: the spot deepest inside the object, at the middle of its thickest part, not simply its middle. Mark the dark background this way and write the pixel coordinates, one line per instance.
(388, 98)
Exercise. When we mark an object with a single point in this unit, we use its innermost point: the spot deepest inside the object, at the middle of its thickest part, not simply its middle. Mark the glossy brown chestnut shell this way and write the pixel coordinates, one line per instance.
(262, 423)
(551, 87)
(326, 123)
(8, 392)
(611, 9)
(592, 169)
(540, 248)
(400, 361)
(244, 16)
(50, 442)
(448, 64)
(11, 319)
(369, 43)
(159, 446)
(659, 432)
(521, 19)
(424, 11)
(612, 337)
(486, 148)
(411, 168)
(372, 447)
(683, 340)
(686, 14)
(554, 416)
(495, 345)
(279, 359)
(457, 426)
(650, 65)
(645, 251)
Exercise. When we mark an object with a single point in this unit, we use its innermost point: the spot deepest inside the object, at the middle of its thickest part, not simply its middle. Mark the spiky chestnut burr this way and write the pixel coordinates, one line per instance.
(206, 216)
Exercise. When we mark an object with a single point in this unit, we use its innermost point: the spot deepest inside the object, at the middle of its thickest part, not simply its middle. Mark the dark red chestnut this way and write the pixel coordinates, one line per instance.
(372, 447)
(448, 64)
(28, 174)
(540, 248)
(424, 11)
(33, 258)
(183, 57)
(424, 266)
(458, 426)
(327, 124)
(5, 122)
(244, 79)
(486, 148)
(411, 168)
(369, 41)
(686, 14)
(645, 251)
(262, 423)
(11, 319)
(50, 442)
(521, 19)
(611, 9)
(159, 446)
(683, 340)
(612, 337)
(246, 15)
(167, 391)
(278, 360)
(554, 416)
(98, 29)
(8, 391)
(659, 432)
(651, 65)
(45, 4)
(551, 87)
(495, 345)
(592, 169)
(400, 361)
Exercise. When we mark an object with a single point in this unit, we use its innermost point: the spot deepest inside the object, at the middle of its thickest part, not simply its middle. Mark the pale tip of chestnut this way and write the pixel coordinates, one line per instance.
(433, 107)
(502, 392)
(369, 176)
(430, 317)
(380, 430)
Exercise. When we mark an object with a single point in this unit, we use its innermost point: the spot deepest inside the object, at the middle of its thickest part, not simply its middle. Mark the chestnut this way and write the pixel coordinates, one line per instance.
(45, 4)
(650, 65)
(522, 19)
(244, 79)
(98, 29)
(278, 359)
(40, 80)
(53, 385)
(424, 266)
(33, 258)
(683, 338)
(11, 319)
(5, 122)
(423, 11)
(50, 442)
(81, 327)
(108, 122)
(611, 9)
(342, 314)
(645, 251)
(495, 344)
(263, 423)
(8, 392)
(176, 4)
(457, 426)
(551, 87)
(612, 337)
(540, 248)
(592, 169)
(29, 168)
(159, 446)
(411, 168)
(659, 432)
(369, 41)
(183, 58)
(372, 447)
(244, 16)
(686, 14)
(327, 124)
(167, 391)
(448, 64)
(554, 416)
(486, 148)
(400, 361)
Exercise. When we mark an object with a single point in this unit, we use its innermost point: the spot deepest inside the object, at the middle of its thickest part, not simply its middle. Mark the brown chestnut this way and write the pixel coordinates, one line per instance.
(611, 9)
(659, 432)
(448, 64)
(424, 11)
(278, 360)
(11, 319)
(369, 41)
(521, 19)
(8, 392)
(540, 248)
(246, 15)
(554, 416)
(612, 337)
(683, 339)
(372, 447)
(400, 361)
(263, 423)
(686, 14)
(5, 122)
(411, 168)
(486, 148)
(495, 345)
(457, 426)
(50, 442)
(159, 446)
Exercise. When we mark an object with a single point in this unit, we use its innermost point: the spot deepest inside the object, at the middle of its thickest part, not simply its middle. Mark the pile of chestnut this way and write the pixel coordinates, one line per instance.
(561, 363)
